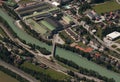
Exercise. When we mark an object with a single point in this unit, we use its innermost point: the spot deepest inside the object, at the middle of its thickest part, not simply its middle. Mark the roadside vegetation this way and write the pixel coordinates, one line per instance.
(50, 72)
(2, 33)
(83, 70)
(13, 75)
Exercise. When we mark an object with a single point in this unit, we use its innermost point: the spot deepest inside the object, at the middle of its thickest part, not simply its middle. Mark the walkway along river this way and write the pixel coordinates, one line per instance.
(61, 52)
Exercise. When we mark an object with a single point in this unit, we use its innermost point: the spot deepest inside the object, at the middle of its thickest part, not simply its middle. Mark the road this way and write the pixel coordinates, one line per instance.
(54, 65)
(18, 71)
(97, 38)
(44, 60)
(118, 1)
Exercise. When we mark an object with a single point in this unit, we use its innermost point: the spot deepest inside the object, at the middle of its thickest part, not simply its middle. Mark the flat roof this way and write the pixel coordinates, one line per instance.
(114, 35)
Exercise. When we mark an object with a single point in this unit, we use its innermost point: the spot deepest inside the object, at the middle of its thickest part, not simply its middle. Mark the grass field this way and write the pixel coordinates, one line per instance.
(6, 78)
(50, 72)
(36, 26)
(106, 7)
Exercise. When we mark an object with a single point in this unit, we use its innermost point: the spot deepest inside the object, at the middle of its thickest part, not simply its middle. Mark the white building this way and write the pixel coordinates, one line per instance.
(56, 3)
(114, 35)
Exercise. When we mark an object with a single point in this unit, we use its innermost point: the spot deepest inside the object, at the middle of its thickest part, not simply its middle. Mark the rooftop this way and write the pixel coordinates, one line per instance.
(114, 35)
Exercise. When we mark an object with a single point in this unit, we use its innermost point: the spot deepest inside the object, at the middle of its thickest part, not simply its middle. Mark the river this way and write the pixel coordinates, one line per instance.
(59, 51)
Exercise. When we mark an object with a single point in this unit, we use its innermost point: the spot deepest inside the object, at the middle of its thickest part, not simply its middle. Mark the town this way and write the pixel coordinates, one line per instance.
(60, 40)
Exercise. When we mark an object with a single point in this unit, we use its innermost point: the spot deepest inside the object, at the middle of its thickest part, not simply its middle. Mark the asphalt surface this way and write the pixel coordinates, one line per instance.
(44, 60)
(18, 71)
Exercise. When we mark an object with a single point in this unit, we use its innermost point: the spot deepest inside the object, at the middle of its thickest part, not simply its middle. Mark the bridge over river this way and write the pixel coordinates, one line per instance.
(59, 51)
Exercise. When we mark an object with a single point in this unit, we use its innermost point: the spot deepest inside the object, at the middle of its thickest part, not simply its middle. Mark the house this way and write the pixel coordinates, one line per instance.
(56, 3)
(90, 15)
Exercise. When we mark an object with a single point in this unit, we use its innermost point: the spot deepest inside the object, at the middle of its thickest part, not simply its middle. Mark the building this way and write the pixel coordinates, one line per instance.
(67, 19)
(114, 35)
(63, 1)
(56, 3)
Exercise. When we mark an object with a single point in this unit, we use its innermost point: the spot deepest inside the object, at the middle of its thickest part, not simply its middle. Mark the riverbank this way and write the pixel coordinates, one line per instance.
(61, 52)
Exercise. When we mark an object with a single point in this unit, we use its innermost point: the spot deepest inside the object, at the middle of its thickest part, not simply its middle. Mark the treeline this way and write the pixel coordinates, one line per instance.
(12, 74)
(13, 44)
(5, 55)
(34, 33)
(42, 50)
(10, 11)
(71, 73)
(83, 70)
(67, 47)
(41, 76)
(99, 1)
(5, 23)
(90, 58)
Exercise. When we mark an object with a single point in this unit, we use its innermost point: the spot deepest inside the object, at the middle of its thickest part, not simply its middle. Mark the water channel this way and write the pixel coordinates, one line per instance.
(61, 52)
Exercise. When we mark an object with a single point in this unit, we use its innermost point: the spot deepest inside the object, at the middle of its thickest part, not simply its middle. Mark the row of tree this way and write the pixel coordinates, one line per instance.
(12, 74)
(71, 73)
(83, 70)
(41, 76)
(98, 1)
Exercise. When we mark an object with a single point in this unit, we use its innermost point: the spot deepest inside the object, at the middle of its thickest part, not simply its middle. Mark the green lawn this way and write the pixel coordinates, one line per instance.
(6, 78)
(106, 7)
(50, 72)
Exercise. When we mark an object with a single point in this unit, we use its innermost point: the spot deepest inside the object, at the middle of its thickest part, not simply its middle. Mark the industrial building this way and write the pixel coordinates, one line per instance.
(40, 17)
(113, 36)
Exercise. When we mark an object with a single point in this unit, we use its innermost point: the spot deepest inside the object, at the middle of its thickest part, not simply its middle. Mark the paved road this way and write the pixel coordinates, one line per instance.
(98, 39)
(118, 1)
(44, 60)
(18, 71)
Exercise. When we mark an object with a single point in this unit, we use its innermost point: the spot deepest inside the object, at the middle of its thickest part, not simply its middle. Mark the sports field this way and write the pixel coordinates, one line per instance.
(6, 78)
(36, 26)
(46, 24)
(106, 7)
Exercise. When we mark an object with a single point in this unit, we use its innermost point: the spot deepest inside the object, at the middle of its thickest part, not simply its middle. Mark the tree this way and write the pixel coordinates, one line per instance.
(84, 7)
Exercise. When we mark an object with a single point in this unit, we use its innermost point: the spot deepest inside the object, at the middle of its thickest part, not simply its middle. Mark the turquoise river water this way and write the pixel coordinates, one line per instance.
(61, 52)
